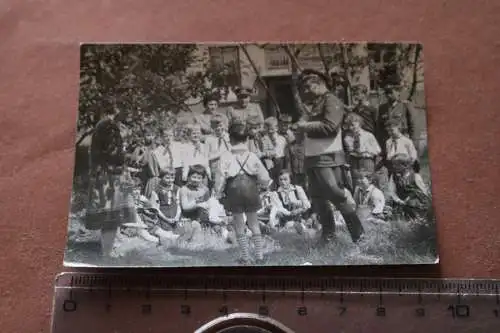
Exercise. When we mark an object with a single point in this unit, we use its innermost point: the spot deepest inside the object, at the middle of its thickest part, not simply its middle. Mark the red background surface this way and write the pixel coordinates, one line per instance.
(39, 69)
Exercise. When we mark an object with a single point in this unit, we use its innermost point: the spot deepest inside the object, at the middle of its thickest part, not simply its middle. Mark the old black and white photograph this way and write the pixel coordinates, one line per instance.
(262, 154)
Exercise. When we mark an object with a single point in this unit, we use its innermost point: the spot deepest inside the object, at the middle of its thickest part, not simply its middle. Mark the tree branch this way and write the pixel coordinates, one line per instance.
(84, 135)
(414, 76)
(261, 80)
(326, 65)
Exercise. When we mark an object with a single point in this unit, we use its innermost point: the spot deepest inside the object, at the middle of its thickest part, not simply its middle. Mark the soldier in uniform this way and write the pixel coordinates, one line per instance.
(394, 110)
(325, 158)
(363, 108)
(244, 109)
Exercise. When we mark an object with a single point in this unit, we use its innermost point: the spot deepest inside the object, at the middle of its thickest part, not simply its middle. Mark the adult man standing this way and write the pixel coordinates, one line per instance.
(394, 110)
(245, 109)
(363, 108)
(325, 159)
(107, 162)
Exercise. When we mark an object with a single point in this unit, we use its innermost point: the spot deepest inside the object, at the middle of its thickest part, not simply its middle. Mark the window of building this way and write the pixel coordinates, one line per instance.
(226, 60)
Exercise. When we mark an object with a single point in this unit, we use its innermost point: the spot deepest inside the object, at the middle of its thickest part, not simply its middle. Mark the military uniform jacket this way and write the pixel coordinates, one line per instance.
(323, 142)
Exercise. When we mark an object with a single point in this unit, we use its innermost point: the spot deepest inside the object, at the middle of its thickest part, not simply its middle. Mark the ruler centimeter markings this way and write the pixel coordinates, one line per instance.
(142, 303)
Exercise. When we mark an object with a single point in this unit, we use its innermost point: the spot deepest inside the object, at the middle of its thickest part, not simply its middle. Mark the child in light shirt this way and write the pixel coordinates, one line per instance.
(195, 195)
(240, 177)
(168, 155)
(254, 130)
(399, 144)
(293, 199)
(410, 196)
(362, 147)
(195, 152)
(166, 200)
(274, 148)
(368, 197)
(217, 143)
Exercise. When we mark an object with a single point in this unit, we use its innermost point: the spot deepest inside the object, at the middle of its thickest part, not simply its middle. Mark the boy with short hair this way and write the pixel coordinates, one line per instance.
(363, 108)
(361, 145)
(241, 175)
(409, 194)
(367, 195)
(292, 198)
(169, 155)
(218, 142)
(285, 128)
(399, 144)
(195, 152)
(254, 131)
(274, 148)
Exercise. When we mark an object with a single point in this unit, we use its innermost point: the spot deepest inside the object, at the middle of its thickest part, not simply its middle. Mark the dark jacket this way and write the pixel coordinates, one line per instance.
(106, 149)
(323, 142)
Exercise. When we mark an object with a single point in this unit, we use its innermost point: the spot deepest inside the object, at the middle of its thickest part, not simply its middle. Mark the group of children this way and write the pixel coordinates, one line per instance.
(241, 179)
(406, 194)
(232, 182)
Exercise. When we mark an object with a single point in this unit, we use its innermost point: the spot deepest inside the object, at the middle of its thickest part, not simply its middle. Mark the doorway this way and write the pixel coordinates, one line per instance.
(281, 88)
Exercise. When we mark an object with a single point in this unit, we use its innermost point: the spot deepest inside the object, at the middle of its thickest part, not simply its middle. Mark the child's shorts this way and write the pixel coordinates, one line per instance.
(242, 194)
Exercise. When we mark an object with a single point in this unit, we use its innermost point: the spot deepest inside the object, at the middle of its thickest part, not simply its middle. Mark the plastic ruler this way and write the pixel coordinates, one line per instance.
(137, 303)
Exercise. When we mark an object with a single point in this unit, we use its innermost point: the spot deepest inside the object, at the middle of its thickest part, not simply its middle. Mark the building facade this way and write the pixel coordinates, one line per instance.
(267, 69)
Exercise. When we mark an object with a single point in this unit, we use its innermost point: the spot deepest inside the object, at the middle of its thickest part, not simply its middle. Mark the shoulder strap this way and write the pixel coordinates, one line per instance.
(296, 192)
(242, 165)
(280, 196)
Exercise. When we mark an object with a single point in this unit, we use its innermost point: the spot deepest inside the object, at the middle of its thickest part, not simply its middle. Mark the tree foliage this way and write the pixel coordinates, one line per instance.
(152, 81)
(147, 81)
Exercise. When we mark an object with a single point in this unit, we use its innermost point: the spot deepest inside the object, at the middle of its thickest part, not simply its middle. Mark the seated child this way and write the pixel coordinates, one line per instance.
(399, 144)
(239, 179)
(135, 221)
(368, 197)
(195, 198)
(362, 147)
(293, 199)
(407, 190)
(274, 147)
(267, 214)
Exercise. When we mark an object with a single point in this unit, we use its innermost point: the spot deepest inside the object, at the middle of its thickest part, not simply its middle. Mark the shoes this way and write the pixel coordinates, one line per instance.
(260, 262)
(299, 228)
(244, 262)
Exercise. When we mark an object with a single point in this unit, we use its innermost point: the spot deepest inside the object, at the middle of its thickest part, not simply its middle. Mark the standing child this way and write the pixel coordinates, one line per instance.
(274, 148)
(240, 176)
(254, 128)
(217, 143)
(285, 128)
(296, 160)
(399, 144)
(362, 147)
(195, 152)
(169, 155)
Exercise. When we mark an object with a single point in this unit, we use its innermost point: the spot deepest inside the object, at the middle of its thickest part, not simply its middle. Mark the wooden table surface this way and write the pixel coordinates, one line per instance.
(39, 74)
